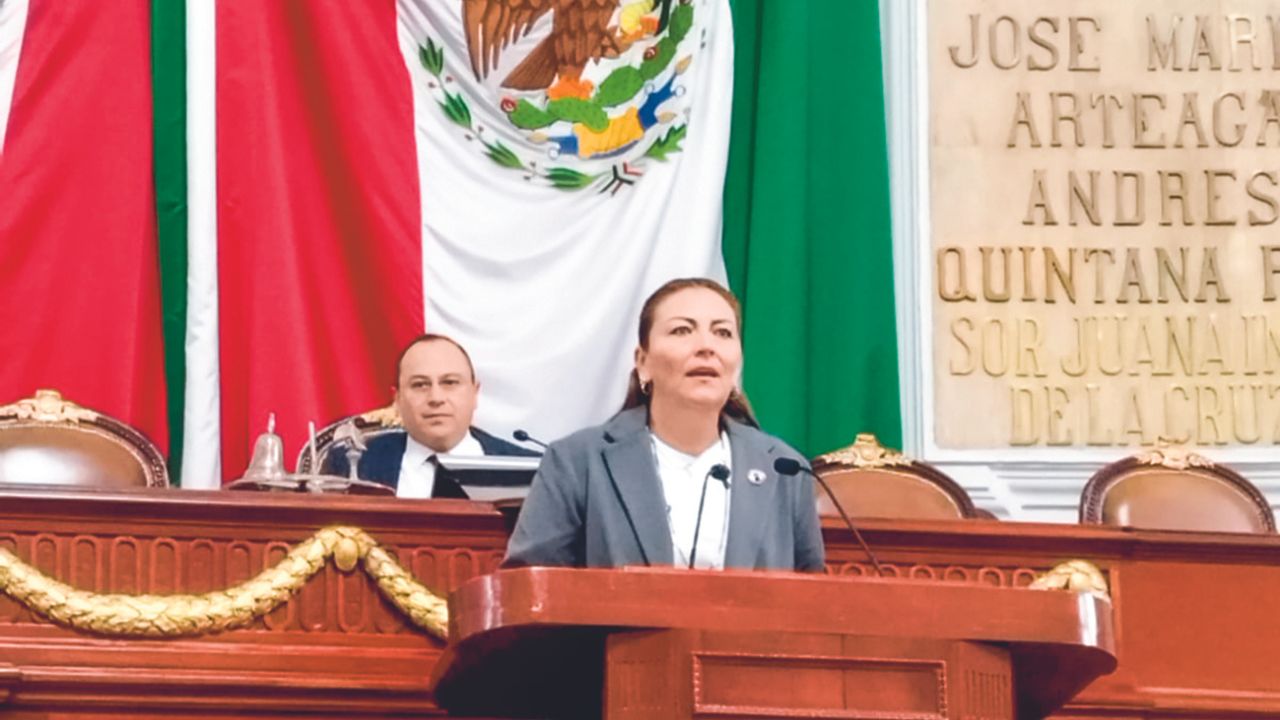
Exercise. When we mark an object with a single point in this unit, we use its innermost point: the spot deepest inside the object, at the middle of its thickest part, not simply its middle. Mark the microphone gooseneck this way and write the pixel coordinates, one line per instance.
(791, 467)
(522, 436)
(721, 473)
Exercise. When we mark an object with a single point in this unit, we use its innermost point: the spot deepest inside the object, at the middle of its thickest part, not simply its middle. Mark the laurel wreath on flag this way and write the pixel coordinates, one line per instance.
(621, 86)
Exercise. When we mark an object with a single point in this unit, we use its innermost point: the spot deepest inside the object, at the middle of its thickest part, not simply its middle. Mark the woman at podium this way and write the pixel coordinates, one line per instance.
(682, 475)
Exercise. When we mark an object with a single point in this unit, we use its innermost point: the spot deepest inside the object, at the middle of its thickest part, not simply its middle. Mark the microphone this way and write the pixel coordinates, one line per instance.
(791, 467)
(523, 436)
(721, 473)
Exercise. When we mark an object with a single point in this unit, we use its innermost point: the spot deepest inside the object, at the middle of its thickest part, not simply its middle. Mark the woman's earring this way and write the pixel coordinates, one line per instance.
(646, 387)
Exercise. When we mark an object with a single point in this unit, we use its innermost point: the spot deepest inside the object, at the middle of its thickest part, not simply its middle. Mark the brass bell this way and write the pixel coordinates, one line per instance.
(267, 462)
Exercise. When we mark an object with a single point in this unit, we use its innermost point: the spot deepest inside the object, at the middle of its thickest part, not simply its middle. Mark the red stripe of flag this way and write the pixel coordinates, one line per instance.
(79, 288)
(319, 250)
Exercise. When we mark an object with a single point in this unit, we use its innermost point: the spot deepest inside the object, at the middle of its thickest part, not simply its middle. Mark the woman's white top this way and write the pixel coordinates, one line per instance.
(681, 476)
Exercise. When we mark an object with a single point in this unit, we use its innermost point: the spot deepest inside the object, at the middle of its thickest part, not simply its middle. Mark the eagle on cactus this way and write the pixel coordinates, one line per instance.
(582, 31)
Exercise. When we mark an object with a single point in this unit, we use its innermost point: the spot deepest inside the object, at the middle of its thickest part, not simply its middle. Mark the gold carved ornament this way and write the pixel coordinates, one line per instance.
(49, 407)
(182, 615)
(1079, 576)
(865, 452)
(388, 416)
(1174, 458)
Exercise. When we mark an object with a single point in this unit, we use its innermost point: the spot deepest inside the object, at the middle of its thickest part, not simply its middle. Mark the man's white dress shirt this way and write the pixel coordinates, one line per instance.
(418, 472)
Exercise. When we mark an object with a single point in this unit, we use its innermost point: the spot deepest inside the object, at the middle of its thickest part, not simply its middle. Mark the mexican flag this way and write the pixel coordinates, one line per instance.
(331, 179)
(387, 168)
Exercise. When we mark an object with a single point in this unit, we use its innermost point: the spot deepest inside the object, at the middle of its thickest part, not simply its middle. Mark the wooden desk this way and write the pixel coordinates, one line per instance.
(337, 648)
(1196, 634)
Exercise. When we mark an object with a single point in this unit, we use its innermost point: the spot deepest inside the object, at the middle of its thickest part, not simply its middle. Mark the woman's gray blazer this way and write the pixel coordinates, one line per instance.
(596, 501)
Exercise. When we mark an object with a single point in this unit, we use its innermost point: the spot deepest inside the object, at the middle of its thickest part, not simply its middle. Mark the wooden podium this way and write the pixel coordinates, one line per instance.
(645, 643)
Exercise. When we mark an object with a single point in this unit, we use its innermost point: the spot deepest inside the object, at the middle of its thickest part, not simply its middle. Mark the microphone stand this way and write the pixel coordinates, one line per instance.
(849, 523)
(721, 473)
(787, 466)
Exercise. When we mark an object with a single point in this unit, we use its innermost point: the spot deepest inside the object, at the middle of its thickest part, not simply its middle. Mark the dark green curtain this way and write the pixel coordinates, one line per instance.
(808, 241)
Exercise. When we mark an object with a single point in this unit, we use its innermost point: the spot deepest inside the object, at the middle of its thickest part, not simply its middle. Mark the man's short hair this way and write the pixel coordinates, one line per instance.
(433, 337)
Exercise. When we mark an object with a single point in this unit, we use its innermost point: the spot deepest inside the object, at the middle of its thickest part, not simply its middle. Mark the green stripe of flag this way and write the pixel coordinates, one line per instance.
(169, 92)
(808, 237)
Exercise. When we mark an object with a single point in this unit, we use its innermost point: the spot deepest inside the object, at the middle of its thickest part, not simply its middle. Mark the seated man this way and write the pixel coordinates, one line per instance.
(436, 392)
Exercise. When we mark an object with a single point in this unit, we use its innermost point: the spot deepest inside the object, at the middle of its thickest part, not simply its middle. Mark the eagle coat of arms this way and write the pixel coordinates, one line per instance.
(574, 94)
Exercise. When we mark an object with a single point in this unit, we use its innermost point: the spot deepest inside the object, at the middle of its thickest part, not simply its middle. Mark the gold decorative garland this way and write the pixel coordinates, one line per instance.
(159, 616)
(179, 615)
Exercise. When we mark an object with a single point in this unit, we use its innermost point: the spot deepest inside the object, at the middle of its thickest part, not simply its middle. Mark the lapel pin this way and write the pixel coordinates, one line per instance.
(756, 476)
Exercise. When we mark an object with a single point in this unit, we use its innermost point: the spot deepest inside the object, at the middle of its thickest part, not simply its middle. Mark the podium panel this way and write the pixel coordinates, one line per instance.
(733, 675)
(681, 644)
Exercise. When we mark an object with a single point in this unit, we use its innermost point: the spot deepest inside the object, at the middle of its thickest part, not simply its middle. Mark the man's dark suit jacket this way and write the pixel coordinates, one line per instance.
(381, 461)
